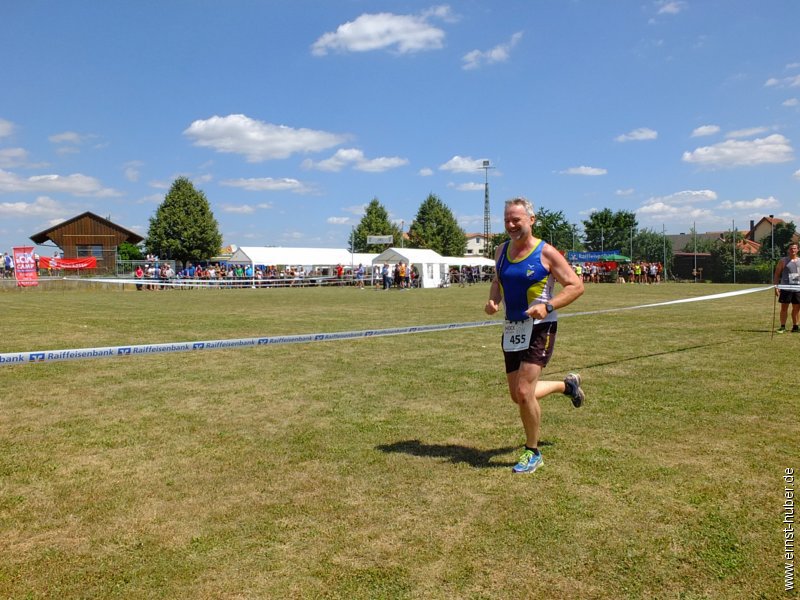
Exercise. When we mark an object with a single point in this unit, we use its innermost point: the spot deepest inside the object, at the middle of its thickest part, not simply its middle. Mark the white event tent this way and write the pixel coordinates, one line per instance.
(309, 258)
(431, 266)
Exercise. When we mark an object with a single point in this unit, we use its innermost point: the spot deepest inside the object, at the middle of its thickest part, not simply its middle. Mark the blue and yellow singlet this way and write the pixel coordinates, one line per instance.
(524, 282)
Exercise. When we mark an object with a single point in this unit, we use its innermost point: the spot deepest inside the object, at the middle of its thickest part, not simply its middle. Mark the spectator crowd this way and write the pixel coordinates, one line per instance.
(631, 272)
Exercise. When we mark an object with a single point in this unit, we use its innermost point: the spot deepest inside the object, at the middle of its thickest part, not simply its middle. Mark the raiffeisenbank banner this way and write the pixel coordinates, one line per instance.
(25, 267)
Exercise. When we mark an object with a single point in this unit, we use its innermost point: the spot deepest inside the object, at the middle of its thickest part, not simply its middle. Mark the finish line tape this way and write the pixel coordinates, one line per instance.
(43, 356)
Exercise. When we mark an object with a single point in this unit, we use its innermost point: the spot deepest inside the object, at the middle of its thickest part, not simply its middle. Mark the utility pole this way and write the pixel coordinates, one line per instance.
(733, 237)
(772, 234)
(487, 228)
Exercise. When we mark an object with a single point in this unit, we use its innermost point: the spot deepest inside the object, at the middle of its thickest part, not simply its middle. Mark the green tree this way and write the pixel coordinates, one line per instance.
(436, 228)
(128, 251)
(607, 230)
(374, 222)
(184, 228)
(651, 246)
(721, 264)
(553, 227)
(784, 234)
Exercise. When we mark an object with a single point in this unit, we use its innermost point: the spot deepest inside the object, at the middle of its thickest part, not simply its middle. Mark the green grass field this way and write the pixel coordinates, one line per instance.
(380, 468)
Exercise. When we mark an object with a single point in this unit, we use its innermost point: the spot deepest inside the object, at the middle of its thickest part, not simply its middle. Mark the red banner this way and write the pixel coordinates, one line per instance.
(69, 264)
(25, 267)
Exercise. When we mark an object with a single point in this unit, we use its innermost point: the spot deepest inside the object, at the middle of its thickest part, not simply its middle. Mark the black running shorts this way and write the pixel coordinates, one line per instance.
(789, 297)
(543, 339)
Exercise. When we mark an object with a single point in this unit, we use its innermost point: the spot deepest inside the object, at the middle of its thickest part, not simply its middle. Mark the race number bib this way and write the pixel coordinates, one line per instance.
(517, 335)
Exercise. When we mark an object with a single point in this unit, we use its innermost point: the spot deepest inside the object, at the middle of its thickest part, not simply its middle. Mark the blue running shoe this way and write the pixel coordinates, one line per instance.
(528, 462)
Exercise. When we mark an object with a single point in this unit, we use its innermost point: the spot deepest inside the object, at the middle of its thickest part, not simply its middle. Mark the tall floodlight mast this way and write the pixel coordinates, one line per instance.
(487, 228)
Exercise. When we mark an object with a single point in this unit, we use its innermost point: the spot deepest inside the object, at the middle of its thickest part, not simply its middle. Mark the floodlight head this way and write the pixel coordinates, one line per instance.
(485, 164)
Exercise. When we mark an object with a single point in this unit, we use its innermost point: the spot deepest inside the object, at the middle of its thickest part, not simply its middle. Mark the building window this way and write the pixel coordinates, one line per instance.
(93, 250)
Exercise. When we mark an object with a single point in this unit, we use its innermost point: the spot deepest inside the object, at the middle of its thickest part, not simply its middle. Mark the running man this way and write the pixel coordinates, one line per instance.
(787, 272)
(527, 269)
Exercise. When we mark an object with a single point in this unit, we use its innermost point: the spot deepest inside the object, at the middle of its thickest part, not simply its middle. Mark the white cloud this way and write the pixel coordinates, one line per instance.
(785, 82)
(243, 209)
(757, 203)
(791, 102)
(151, 199)
(442, 11)
(132, 170)
(6, 128)
(679, 206)
(425, 172)
(356, 209)
(41, 207)
(404, 34)
(339, 220)
(686, 197)
(267, 184)
(797, 174)
(354, 157)
(749, 132)
(737, 153)
(500, 53)
(672, 7)
(381, 164)
(704, 130)
(256, 140)
(462, 164)
(626, 192)
(467, 187)
(637, 135)
(76, 184)
(588, 171)
(659, 211)
(13, 157)
(67, 137)
(337, 162)
(65, 150)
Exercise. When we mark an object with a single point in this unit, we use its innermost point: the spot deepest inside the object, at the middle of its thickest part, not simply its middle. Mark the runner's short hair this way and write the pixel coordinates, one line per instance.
(523, 202)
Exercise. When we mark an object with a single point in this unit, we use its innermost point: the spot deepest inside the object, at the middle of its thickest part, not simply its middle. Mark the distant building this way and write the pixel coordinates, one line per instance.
(89, 235)
(476, 244)
(758, 231)
(684, 242)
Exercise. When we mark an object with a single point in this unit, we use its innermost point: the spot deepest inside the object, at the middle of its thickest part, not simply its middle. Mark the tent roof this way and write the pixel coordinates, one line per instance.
(421, 255)
(409, 255)
(615, 257)
(263, 255)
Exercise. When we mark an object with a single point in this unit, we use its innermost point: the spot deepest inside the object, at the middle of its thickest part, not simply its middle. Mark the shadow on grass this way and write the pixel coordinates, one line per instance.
(651, 355)
(479, 459)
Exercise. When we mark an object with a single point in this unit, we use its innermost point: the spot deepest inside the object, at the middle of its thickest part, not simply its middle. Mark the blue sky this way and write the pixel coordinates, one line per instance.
(292, 115)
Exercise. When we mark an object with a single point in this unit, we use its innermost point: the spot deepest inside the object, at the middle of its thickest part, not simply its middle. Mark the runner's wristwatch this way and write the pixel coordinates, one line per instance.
(548, 307)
